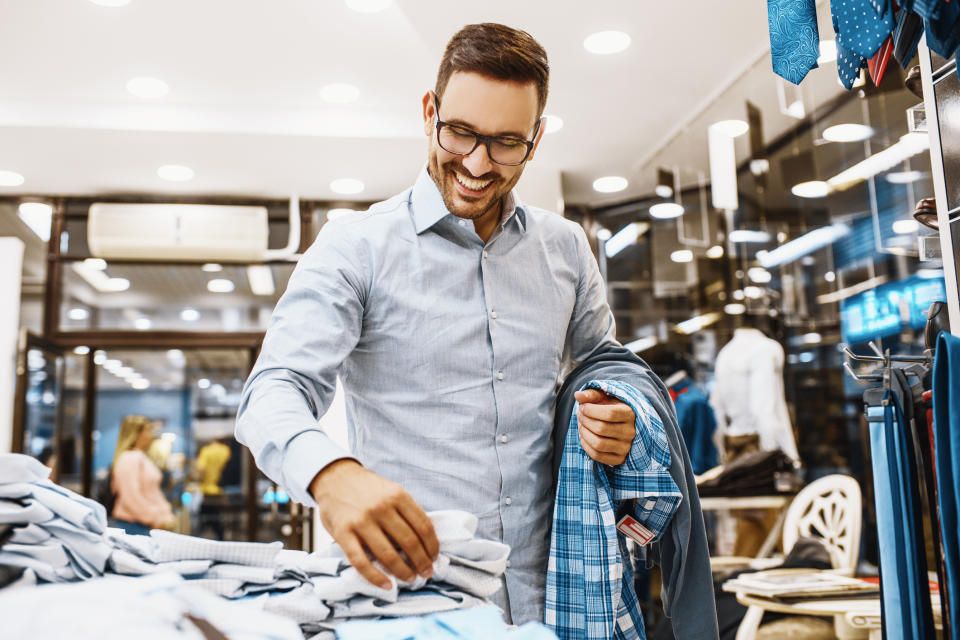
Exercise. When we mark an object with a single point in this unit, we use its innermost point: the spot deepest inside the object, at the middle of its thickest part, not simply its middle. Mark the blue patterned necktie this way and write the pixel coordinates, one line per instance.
(862, 25)
(794, 40)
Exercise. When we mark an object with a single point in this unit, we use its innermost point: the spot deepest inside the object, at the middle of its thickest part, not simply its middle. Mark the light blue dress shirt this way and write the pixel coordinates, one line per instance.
(449, 351)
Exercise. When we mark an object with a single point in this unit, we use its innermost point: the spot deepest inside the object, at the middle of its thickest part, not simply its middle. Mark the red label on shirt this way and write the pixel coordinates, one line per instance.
(629, 527)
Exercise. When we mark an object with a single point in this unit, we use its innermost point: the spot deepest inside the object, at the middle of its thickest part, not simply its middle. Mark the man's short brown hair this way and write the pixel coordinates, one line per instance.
(496, 51)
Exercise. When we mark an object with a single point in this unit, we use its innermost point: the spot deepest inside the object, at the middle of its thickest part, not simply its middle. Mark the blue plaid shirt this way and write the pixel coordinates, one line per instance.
(589, 587)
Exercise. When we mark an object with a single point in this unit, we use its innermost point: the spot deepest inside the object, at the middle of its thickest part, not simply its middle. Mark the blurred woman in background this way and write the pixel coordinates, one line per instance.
(135, 480)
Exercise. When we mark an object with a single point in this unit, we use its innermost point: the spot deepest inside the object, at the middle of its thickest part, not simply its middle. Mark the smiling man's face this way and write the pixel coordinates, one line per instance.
(472, 186)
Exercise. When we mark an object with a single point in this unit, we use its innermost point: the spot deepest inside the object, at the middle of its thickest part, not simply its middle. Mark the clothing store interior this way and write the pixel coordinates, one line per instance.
(257, 382)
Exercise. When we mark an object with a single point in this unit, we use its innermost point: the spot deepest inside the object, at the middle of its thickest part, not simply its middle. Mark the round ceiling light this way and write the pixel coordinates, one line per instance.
(759, 275)
(142, 324)
(346, 186)
(340, 93)
(96, 264)
(604, 234)
(716, 251)
(10, 179)
(78, 313)
(554, 123)
(175, 173)
(663, 191)
(140, 384)
(220, 285)
(610, 184)
(211, 267)
(811, 189)
(735, 308)
(189, 315)
(148, 88)
(682, 256)
(732, 128)
(666, 210)
(847, 132)
(606, 42)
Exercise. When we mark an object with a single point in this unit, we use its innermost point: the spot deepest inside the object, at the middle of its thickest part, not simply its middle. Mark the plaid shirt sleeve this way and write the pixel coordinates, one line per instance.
(589, 587)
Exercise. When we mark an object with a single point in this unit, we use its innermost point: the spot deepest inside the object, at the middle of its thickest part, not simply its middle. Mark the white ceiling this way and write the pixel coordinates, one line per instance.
(245, 113)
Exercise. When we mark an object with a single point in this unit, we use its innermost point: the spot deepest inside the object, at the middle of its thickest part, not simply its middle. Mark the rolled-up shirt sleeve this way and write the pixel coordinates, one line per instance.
(314, 327)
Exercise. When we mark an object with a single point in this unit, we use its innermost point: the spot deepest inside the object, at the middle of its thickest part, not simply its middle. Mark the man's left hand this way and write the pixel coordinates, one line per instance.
(607, 426)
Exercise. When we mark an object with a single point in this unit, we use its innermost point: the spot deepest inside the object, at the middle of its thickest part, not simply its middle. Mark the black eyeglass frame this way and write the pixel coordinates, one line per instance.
(482, 139)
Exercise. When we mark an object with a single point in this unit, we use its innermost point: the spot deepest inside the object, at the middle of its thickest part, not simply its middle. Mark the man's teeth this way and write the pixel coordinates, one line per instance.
(470, 183)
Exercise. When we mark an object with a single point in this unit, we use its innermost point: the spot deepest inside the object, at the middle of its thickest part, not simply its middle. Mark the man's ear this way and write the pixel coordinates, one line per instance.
(536, 142)
(429, 112)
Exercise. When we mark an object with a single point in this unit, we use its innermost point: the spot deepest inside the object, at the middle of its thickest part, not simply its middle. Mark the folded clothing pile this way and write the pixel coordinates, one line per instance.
(754, 474)
(479, 623)
(321, 590)
(57, 535)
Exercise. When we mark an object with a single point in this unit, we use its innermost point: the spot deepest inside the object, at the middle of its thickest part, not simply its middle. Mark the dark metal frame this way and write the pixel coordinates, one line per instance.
(479, 138)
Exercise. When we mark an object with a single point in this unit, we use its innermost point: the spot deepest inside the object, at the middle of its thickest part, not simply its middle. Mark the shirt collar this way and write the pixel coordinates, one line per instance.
(429, 209)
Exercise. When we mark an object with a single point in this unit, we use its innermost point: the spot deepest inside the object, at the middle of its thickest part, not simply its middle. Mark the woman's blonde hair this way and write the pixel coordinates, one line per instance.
(130, 430)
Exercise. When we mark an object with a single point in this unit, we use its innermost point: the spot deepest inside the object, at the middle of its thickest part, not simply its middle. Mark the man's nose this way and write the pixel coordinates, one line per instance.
(478, 162)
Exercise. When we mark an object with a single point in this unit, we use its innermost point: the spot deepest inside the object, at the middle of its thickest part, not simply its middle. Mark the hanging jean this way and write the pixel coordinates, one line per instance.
(946, 429)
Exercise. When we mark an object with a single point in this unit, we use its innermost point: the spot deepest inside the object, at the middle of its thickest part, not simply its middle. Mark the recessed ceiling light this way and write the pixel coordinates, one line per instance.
(666, 210)
(368, 6)
(554, 123)
(610, 184)
(212, 267)
(812, 338)
(732, 128)
(37, 216)
(112, 364)
(97, 264)
(142, 324)
(811, 189)
(10, 179)
(115, 285)
(333, 214)
(848, 132)
(111, 3)
(346, 186)
(716, 251)
(189, 315)
(905, 177)
(99, 356)
(604, 234)
(81, 350)
(148, 88)
(606, 42)
(829, 276)
(759, 274)
(663, 191)
(220, 285)
(175, 173)
(78, 313)
(682, 255)
(905, 226)
(340, 93)
(828, 51)
(735, 308)
(203, 383)
(748, 235)
(140, 384)
(175, 355)
(738, 294)
(752, 292)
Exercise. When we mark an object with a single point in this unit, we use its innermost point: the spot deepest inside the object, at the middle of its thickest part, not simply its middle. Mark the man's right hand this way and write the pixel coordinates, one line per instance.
(365, 512)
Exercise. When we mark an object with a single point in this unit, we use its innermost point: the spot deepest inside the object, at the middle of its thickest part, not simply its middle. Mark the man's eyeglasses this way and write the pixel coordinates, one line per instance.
(461, 141)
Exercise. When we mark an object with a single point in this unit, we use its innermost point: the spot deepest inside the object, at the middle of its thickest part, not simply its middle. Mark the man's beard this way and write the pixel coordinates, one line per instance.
(444, 179)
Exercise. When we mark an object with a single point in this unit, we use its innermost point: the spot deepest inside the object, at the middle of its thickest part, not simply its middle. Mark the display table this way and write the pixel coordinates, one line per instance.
(779, 502)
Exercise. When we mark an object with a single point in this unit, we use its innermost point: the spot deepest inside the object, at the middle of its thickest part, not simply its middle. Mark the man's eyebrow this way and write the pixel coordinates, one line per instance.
(501, 134)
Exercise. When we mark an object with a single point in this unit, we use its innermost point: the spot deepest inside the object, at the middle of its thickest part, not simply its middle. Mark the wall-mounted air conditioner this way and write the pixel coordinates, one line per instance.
(180, 232)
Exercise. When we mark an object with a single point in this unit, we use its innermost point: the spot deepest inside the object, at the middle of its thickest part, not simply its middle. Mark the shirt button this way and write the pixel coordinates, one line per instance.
(493, 314)
(499, 375)
(503, 439)
(507, 501)
(484, 255)
(463, 223)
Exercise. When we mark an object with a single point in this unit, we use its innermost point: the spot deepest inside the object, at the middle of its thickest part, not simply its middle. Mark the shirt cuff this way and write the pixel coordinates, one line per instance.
(306, 455)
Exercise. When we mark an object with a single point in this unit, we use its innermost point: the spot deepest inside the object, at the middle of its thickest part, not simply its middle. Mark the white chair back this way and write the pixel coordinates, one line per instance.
(830, 509)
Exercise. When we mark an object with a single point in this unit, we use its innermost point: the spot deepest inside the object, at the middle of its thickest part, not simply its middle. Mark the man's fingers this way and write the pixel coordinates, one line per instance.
(589, 395)
(409, 542)
(358, 560)
(599, 456)
(601, 444)
(382, 549)
(414, 514)
(615, 430)
(617, 412)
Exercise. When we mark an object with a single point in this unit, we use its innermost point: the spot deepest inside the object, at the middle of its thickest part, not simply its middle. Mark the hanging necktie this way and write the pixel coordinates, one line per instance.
(848, 66)
(794, 39)
(906, 37)
(877, 65)
(862, 25)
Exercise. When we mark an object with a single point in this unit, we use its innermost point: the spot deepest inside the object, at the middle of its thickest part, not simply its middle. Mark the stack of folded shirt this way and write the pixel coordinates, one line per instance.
(58, 535)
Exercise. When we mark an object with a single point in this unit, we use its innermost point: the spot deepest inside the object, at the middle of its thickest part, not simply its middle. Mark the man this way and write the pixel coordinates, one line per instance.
(449, 312)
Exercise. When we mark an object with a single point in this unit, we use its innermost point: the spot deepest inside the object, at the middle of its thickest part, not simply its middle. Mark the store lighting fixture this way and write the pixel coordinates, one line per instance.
(828, 51)
(610, 184)
(641, 344)
(142, 324)
(368, 6)
(78, 313)
(666, 210)
(752, 292)
(722, 155)
(604, 234)
(829, 276)
(625, 238)
(806, 356)
(811, 189)
(735, 308)
(340, 93)
(148, 88)
(346, 186)
(748, 235)
(802, 246)
(732, 128)
(175, 173)
(81, 350)
(606, 42)
(140, 384)
(189, 315)
(663, 191)
(99, 357)
(846, 292)
(112, 364)
(715, 252)
(905, 177)
(220, 285)
(738, 294)
(212, 267)
(553, 124)
(37, 216)
(123, 372)
(115, 285)
(333, 214)
(682, 256)
(203, 383)
(97, 264)
(909, 145)
(848, 132)
(812, 338)
(905, 226)
(97, 278)
(260, 278)
(759, 275)
(697, 323)
(10, 179)
(175, 355)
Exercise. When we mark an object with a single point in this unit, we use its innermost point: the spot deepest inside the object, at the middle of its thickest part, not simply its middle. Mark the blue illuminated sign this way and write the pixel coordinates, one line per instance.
(889, 309)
